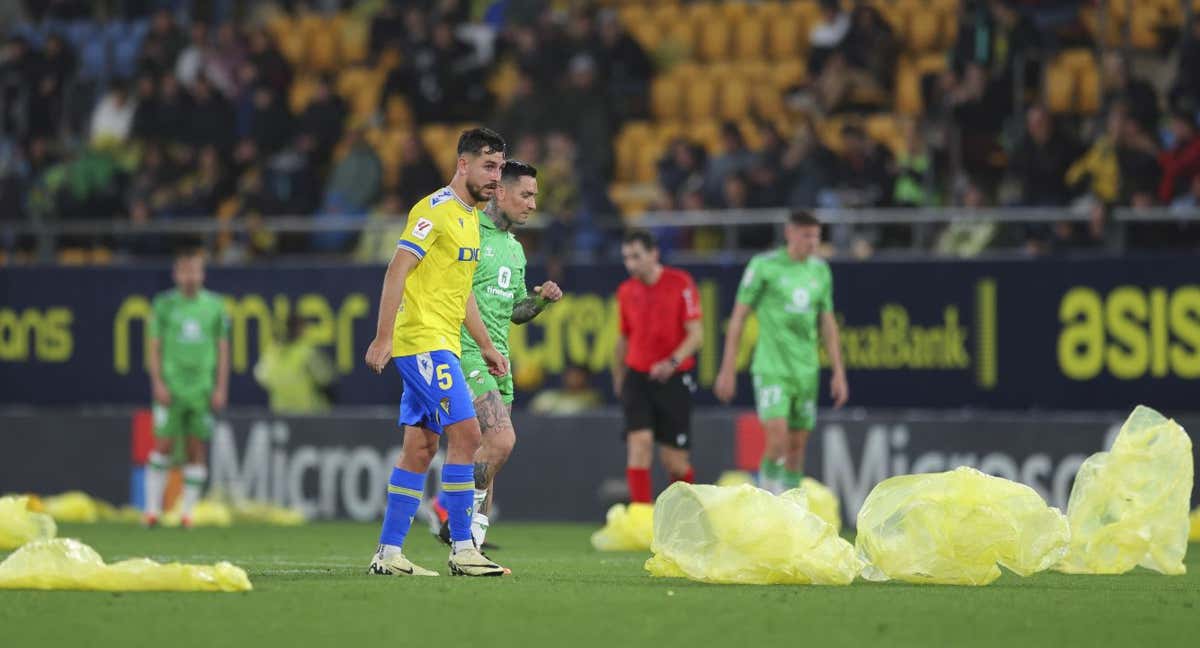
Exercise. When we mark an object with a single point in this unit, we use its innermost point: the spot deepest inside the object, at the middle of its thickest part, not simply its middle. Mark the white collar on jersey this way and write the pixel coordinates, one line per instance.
(460, 200)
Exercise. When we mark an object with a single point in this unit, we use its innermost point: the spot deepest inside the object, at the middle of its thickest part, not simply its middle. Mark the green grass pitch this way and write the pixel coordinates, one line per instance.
(310, 589)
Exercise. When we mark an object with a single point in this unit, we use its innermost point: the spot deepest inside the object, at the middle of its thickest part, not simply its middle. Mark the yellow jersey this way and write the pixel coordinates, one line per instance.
(443, 232)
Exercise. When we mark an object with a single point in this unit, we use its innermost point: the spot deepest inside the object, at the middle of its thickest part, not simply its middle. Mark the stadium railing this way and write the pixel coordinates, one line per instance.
(923, 222)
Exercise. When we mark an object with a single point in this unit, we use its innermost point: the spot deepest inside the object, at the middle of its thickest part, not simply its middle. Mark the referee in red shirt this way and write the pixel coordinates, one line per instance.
(660, 331)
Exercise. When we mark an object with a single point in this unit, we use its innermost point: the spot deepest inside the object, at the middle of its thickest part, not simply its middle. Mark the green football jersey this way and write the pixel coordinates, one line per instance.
(188, 331)
(499, 283)
(787, 297)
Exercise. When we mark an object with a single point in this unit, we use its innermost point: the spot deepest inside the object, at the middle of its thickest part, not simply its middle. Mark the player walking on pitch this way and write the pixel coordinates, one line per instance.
(499, 288)
(791, 293)
(660, 331)
(189, 375)
(425, 302)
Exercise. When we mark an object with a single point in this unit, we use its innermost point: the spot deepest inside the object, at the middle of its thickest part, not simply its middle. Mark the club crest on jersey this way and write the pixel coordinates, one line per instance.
(468, 254)
(440, 197)
(422, 229)
(446, 406)
(460, 223)
(425, 366)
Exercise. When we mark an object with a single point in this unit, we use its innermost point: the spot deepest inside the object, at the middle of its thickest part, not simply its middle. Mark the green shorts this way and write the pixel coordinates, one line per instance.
(481, 381)
(184, 417)
(787, 398)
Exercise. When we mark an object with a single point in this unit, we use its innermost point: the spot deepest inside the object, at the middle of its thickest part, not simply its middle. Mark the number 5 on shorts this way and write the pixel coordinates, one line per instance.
(445, 378)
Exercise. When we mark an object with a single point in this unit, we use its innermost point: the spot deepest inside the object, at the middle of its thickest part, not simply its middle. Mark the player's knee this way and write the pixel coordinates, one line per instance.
(640, 449)
(500, 444)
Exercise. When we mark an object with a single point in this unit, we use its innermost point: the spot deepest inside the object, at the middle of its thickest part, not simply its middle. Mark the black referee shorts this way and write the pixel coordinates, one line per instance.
(663, 407)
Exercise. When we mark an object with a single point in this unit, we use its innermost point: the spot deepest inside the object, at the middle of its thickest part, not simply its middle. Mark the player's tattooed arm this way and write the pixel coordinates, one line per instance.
(531, 306)
(527, 309)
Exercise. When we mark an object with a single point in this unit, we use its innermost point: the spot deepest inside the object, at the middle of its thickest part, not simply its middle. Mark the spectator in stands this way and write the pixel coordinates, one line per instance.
(978, 105)
(525, 113)
(1137, 94)
(212, 120)
(297, 375)
(163, 44)
(418, 173)
(112, 120)
(324, 118)
(806, 167)
(682, 162)
(865, 62)
(1187, 73)
(735, 157)
(18, 69)
(190, 63)
(914, 168)
(270, 121)
(575, 397)
(56, 67)
(826, 36)
(353, 187)
(1182, 162)
(271, 68)
(582, 114)
(385, 226)
(1040, 161)
(861, 174)
(965, 239)
(174, 109)
(626, 69)
(146, 115)
(224, 60)
(387, 29)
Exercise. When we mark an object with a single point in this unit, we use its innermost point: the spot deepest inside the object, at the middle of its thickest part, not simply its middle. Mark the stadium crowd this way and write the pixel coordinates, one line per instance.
(151, 110)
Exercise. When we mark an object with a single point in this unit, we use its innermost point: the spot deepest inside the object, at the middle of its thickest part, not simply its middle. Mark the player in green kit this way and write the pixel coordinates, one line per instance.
(791, 293)
(189, 375)
(499, 287)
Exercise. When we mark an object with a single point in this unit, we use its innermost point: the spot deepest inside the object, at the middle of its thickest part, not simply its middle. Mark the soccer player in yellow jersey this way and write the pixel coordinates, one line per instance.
(426, 300)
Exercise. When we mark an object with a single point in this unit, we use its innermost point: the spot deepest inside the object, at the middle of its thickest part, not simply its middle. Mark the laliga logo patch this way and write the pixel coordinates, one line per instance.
(422, 229)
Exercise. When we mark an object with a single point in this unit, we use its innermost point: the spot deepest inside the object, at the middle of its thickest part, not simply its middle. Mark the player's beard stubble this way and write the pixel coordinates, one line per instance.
(477, 192)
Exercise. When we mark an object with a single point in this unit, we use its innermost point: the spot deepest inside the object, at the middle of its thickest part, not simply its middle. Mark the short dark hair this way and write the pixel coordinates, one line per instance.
(803, 218)
(476, 140)
(515, 170)
(640, 236)
(188, 248)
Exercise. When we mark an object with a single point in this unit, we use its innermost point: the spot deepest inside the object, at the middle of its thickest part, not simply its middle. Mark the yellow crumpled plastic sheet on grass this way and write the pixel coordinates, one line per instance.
(19, 525)
(65, 564)
(742, 534)
(955, 527)
(627, 528)
(1129, 506)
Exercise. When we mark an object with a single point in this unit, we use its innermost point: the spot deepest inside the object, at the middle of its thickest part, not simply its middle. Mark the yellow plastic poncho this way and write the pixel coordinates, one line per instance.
(955, 527)
(742, 534)
(1129, 506)
(627, 528)
(64, 564)
(19, 525)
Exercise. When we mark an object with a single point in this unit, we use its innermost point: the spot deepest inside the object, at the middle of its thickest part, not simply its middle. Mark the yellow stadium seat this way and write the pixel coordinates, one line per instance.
(1143, 26)
(789, 73)
(397, 113)
(647, 161)
(807, 14)
(707, 134)
(288, 36)
(1087, 90)
(700, 99)
(784, 40)
(733, 12)
(734, 101)
(1058, 87)
(767, 101)
(748, 38)
(908, 88)
(301, 92)
(353, 36)
(680, 34)
(753, 71)
(924, 27)
(647, 34)
(686, 71)
(632, 15)
(320, 42)
(666, 131)
(665, 97)
(712, 40)
(632, 137)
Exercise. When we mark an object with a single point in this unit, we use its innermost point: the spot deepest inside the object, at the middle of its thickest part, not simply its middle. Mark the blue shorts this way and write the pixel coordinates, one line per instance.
(435, 392)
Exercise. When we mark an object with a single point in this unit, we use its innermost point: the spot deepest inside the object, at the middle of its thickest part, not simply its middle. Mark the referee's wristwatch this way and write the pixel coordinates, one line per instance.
(674, 363)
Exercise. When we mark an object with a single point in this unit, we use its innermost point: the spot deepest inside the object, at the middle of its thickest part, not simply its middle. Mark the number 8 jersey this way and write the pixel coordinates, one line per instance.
(499, 283)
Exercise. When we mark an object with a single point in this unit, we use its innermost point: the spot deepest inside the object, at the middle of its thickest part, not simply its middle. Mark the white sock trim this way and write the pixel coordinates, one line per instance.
(463, 545)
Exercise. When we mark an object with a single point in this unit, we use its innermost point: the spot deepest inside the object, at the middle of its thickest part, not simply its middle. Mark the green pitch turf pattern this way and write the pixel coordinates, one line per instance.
(310, 589)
